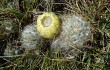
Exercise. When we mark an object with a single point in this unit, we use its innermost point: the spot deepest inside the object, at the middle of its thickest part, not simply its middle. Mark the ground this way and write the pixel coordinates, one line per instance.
(21, 13)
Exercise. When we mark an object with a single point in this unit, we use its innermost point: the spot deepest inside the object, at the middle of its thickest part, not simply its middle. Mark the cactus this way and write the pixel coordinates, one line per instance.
(10, 51)
(6, 28)
(75, 31)
(30, 38)
(48, 25)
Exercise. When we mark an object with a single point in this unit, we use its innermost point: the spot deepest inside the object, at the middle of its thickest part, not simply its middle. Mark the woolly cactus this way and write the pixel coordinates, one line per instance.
(6, 28)
(74, 33)
(11, 50)
(30, 38)
(48, 25)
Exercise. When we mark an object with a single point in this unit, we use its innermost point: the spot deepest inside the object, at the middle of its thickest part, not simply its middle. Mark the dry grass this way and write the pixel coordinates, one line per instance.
(96, 57)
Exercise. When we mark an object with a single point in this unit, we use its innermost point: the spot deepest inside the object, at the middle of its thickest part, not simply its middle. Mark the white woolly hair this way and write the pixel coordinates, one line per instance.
(29, 37)
(74, 33)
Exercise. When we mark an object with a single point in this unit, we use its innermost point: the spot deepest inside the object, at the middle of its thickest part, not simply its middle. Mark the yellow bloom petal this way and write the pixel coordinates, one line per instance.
(48, 25)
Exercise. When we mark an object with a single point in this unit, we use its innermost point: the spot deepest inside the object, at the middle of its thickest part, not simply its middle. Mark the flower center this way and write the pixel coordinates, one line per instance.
(47, 21)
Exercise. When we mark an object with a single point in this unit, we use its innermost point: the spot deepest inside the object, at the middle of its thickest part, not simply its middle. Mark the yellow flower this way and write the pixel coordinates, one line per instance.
(48, 25)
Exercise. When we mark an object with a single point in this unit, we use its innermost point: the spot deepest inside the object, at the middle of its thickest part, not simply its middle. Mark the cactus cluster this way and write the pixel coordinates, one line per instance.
(74, 32)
